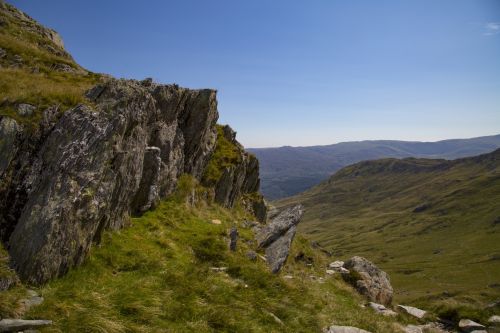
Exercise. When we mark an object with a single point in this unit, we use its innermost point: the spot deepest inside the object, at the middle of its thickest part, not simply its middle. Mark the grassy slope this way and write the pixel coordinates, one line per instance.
(155, 276)
(449, 251)
(34, 80)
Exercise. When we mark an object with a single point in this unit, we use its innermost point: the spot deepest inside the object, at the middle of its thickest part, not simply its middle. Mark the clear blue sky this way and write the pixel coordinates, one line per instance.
(304, 72)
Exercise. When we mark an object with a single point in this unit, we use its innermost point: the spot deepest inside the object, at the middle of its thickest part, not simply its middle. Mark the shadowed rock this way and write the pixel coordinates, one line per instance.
(373, 283)
(276, 237)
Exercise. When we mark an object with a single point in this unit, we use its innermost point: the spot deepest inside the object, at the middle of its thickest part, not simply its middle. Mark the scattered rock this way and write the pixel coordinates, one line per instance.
(3, 53)
(373, 282)
(288, 277)
(343, 329)
(415, 312)
(16, 325)
(413, 329)
(379, 308)
(233, 238)
(337, 266)
(252, 255)
(422, 208)
(469, 326)
(330, 272)
(33, 300)
(216, 221)
(218, 269)
(494, 320)
(25, 110)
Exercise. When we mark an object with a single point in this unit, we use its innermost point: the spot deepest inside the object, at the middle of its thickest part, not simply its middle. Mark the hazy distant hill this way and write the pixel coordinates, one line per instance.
(433, 225)
(286, 171)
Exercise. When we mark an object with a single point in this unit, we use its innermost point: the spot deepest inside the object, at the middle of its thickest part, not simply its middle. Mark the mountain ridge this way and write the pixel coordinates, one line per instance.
(286, 171)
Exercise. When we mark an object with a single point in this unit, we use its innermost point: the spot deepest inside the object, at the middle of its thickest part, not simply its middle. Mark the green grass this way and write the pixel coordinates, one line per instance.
(156, 276)
(445, 254)
(226, 154)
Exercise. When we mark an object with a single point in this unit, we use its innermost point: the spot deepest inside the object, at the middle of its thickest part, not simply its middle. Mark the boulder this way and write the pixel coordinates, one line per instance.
(469, 326)
(233, 238)
(373, 282)
(276, 237)
(16, 325)
(381, 309)
(494, 320)
(415, 312)
(344, 329)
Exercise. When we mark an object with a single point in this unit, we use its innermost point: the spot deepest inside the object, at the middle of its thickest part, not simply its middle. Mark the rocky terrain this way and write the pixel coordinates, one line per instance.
(125, 207)
(431, 224)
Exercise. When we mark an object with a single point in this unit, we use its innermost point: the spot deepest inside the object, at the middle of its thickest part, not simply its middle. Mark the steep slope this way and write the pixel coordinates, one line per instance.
(172, 271)
(433, 225)
(75, 161)
(286, 171)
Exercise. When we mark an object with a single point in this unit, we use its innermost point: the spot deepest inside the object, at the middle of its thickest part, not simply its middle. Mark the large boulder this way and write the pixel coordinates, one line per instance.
(277, 236)
(469, 326)
(370, 280)
(95, 165)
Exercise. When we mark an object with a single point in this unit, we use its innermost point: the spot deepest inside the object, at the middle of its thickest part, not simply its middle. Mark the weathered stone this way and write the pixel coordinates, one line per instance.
(85, 176)
(16, 325)
(276, 237)
(277, 252)
(9, 130)
(415, 312)
(279, 226)
(494, 320)
(374, 282)
(233, 239)
(25, 110)
(3, 53)
(343, 329)
(381, 309)
(148, 194)
(252, 255)
(337, 266)
(469, 326)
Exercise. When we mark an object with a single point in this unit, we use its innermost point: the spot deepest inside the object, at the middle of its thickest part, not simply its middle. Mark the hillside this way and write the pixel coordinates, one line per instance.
(125, 207)
(433, 225)
(287, 171)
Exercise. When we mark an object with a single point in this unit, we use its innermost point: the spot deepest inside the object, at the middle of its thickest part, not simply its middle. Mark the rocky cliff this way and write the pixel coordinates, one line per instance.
(68, 174)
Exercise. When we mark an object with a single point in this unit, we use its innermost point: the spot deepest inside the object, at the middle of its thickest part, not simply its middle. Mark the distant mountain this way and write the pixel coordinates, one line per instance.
(433, 225)
(286, 171)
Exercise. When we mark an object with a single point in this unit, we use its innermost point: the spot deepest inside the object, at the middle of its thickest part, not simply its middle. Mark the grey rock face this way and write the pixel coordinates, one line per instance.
(8, 133)
(233, 239)
(276, 237)
(16, 325)
(279, 226)
(343, 329)
(374, 282)
(88, 170)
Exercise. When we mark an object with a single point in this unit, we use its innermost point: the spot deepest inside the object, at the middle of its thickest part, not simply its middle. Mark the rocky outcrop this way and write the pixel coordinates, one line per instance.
(276, 237)
(240, 178)
(370, 280)
(89, 169)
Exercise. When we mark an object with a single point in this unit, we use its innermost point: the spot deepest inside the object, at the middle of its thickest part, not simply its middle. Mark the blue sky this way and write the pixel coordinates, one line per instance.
(304, 72)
